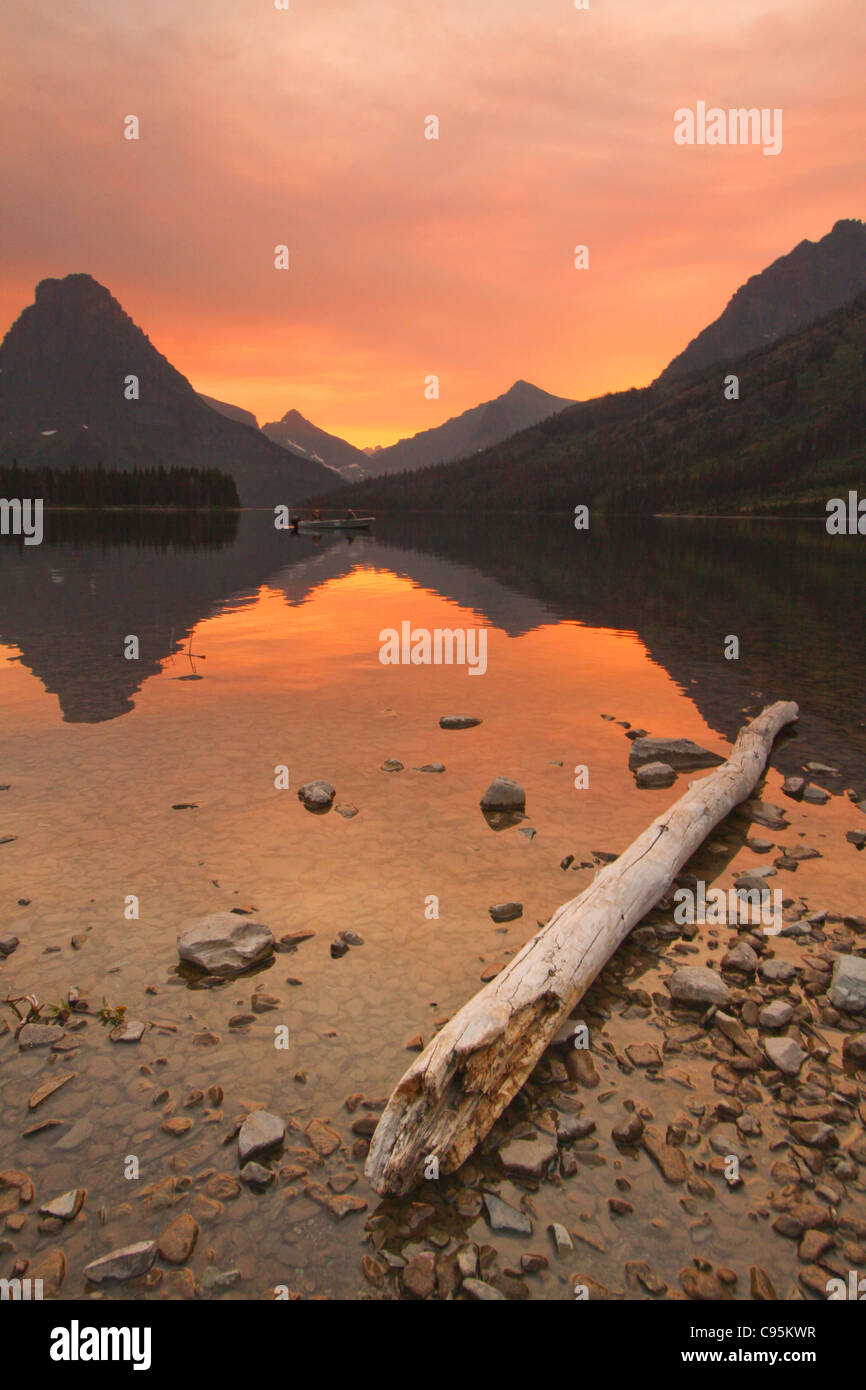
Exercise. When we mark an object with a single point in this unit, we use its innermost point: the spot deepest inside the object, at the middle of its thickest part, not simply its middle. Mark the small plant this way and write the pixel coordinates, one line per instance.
(27, 1009)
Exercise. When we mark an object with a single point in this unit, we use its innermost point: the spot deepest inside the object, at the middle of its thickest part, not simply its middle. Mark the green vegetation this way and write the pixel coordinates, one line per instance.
(793, 439)
(105, 487)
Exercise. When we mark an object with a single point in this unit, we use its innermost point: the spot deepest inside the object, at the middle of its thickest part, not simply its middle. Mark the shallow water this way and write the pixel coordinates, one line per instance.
(259, 649)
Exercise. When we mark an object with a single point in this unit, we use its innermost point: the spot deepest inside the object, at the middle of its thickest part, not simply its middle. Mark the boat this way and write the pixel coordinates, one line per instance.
(345, 521)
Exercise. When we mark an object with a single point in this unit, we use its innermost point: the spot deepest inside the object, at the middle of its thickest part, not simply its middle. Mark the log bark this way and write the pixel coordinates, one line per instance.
(459, 1085)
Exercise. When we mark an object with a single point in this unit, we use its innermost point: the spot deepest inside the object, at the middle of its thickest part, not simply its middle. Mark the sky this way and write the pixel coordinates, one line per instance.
(412, 257)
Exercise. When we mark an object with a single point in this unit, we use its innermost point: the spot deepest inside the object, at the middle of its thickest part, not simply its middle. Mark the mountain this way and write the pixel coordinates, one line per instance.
(812, 280)
(294, 432)
(232, 412)
(64, 368)
(521, 406)
(793, 439)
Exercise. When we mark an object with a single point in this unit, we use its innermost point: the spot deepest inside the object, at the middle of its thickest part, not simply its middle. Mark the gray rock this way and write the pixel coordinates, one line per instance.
(130, 1031)
(794, 787)
(67, 1206)
(481, 1291)
(39, 1035)
(220, 1278)
(854, 1049)
(502, 1217)
(764, 813)
(651, 775)
(785, 1054)
(741, 959)
(431, 767)
(122, 1264)
(848, 987)
(854, 837)
(779, 971)
(506, 912)
(458, 721)
(254, 1175)
(752, 883)
(8, 944)
(679, 753)
(80, 1131)
(259, 1132)
(561, 1238)
(697, 984)
(504, 794)
(226, 943)
(317, 795)
(816, 796)
(778, 1014)
(529, 1156)
(391, 765)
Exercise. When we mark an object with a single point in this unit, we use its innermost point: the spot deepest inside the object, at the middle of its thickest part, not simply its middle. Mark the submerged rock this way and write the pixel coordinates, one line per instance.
(697, 984)
(657, 774)
(34, 1035)
(506, 912)
(126, 1263)
(259, 1132)
(458, 721)
(504, 794)
(226, 943)
(502, 1217)
(317, 795)
(682, 754)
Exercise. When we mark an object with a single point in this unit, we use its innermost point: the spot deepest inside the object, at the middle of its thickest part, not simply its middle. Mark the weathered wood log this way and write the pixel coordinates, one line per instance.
(463, 1080)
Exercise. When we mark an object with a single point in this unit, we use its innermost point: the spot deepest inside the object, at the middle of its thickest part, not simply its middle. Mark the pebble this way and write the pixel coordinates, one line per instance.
(120, 1265)
(503, 1217)
(177, 1241)
(317, 795)
(697, 984)
(458, 721)
(504, 794)
(506, 912)
(67, 1206)
(259, 1133)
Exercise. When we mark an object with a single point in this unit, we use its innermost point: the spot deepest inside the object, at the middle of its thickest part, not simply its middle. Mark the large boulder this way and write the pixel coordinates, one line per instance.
(226, 943)
(848, 989)
(679, 753)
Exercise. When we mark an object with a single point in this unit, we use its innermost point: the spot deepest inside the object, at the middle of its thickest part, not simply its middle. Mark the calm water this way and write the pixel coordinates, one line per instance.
(259, 649)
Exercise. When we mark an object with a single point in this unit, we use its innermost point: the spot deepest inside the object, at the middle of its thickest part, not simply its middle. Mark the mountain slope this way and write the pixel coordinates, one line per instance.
(793, 439)
(64, 365)
(295, 432)
(232, 412)
(518, 408)
(797, 289)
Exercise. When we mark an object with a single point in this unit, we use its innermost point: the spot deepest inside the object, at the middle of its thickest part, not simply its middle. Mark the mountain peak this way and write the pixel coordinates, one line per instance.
(79, 286)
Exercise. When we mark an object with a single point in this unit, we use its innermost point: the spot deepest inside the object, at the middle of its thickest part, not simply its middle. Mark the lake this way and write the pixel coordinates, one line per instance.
(166, 786)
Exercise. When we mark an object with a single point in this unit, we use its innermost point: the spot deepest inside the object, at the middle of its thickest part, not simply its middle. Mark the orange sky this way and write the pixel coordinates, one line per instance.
(410, 256)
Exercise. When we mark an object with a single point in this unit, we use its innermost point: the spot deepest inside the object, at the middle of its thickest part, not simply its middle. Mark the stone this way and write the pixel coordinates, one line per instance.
(226, 944)
(764, 813)
(48, 1088)
(458, 721)
(794, 787)
(67, 1206)
(777, 971)
(671, 1161)
(816, 796)
(570, 1128)
(506, 912)
(317, 795)
(741, 959)
(130, 1031)
(643, 1055)
(322, 1138)
(346, 810)
(856, 838)
(391, 765)
(778, 1014)
(14, 1180)
(854, 1049)
(35, 1035)
(259, 1133)
(504, 794)
(8, 944)
(481, 1291)
(651, 775)
(338, 948)
(503, 1217)
(848, 987)
(255, 1175)
(176, 1126)
(529, 1156)
(431, 767)
(681, 754)
(697, 984)
(760, 1286)
(785, 1054)
(630, 1131)
(223, 1187)
(177, 1241)
(561, 1238)
(123, 1264)
(51, 1270)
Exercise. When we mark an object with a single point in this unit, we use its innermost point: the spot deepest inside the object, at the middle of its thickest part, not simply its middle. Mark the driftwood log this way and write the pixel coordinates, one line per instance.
(459, 1085)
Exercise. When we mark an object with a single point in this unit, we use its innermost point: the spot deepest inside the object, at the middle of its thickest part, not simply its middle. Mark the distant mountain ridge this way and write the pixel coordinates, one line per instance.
(232, 412)
(795, 290)
(477, 428)
(793, 439)
(296, 432)
(65, 366)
